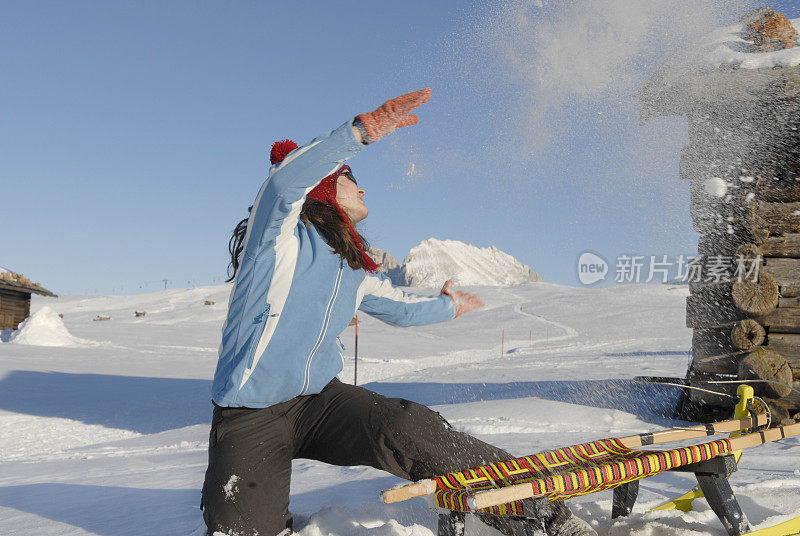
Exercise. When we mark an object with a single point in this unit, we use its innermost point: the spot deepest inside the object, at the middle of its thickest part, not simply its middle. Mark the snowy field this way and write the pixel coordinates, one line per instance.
(108, 435)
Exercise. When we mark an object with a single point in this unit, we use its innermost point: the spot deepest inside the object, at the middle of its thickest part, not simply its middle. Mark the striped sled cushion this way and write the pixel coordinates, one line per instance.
(568, 472)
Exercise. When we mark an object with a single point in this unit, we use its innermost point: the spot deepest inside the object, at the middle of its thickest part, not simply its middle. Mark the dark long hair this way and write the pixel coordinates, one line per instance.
(327, 221)
(236, 245)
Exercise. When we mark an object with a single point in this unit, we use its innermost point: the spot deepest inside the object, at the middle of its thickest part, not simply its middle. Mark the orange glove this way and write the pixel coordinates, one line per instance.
(393, 114)
(464, 301)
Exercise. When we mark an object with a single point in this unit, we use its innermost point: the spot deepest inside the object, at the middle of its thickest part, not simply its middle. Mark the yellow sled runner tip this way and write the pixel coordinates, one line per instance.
(787, 528)
(682, 503)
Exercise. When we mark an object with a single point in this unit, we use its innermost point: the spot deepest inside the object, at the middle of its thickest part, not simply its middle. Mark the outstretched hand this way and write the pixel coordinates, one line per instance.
(464, 301)
(393, 114)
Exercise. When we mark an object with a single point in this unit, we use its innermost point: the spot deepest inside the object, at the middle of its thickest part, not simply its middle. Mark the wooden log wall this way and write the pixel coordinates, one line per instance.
(14, 308)
(743, 164)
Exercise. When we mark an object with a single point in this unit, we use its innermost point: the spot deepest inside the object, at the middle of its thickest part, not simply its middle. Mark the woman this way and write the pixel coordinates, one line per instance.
(300, 272)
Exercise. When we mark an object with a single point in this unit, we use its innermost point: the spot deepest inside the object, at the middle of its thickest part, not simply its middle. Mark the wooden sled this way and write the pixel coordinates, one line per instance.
(504, 488)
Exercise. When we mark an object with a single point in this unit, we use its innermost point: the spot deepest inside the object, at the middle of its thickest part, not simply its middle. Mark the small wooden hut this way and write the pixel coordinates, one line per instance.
(743, 169)
(15, 298)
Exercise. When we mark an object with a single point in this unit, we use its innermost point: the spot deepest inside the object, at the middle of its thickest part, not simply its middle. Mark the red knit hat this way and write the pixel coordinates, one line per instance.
(325, 192)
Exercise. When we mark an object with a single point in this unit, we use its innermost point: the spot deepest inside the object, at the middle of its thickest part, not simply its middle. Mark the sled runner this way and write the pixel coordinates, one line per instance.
(502, 488)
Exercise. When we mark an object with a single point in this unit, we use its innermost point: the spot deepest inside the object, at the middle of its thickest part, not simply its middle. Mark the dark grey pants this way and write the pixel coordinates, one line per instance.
(246, 490)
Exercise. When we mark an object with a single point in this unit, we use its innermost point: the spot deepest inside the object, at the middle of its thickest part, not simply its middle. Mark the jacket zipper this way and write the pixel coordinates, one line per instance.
(326, 320)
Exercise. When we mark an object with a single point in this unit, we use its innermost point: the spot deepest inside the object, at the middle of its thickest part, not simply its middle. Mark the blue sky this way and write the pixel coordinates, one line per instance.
(134, 135)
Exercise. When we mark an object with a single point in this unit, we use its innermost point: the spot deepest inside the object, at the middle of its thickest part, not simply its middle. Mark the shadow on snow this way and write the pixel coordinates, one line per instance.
(139, 404)
(109, 510)
(650, 402)
(152, 405)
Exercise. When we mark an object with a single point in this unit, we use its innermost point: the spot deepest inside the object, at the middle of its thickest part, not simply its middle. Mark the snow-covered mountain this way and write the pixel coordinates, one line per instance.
(389, 265)
(434, 261)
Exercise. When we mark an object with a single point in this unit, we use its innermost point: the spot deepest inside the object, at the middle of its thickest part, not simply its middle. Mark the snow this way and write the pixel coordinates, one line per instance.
(434, 261)
(45, 328)
(112, 439)
(726, 47)
(716, 187)
(230, 488)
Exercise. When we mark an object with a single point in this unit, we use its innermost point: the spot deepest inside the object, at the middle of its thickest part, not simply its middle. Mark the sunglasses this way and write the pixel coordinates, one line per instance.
(349, 174)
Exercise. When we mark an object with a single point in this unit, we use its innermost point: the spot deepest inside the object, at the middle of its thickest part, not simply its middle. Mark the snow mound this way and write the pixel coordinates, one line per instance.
(45, 328)
(434, 261)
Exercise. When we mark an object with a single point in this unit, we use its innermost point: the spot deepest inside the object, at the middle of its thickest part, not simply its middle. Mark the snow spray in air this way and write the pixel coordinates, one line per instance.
(522, 77)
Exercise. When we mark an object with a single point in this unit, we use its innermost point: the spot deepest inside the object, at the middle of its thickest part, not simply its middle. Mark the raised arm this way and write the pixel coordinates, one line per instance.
(278, 204)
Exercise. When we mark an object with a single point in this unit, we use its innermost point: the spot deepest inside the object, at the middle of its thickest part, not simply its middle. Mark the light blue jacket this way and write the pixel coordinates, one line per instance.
(293, 295)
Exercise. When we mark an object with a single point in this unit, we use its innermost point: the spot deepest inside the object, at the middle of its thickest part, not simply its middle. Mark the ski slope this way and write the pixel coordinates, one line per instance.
(108, 435)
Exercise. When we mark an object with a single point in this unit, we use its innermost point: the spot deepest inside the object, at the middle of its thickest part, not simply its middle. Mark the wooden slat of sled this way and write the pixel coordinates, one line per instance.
(693, 432)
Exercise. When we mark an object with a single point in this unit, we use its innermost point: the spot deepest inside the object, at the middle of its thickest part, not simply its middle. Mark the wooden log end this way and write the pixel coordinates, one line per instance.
(756, 297)
(770, 369)
(748, 334)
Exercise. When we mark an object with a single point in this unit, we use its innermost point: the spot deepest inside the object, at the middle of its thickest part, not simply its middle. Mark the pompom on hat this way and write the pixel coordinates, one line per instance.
(325, 192)
(280, 149)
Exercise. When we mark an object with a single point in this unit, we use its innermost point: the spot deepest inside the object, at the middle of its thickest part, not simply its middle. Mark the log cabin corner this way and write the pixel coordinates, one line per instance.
(15, 298)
